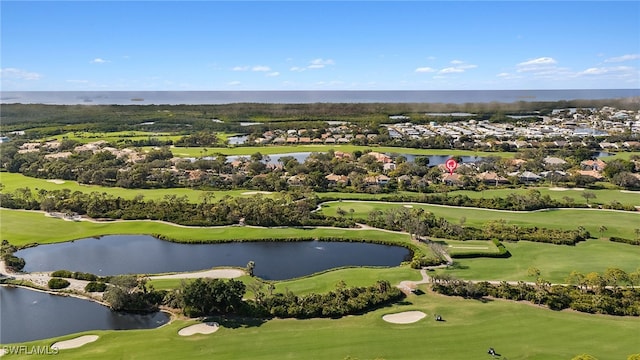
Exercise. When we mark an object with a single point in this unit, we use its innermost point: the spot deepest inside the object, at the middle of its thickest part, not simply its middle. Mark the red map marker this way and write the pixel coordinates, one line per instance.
(451, 165)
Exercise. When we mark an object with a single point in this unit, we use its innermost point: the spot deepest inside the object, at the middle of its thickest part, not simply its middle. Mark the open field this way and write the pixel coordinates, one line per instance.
(604, 196)
(24, 227)
(555, 262)
(13, 181)
(618, 223)
(113, 137)
(516, 331)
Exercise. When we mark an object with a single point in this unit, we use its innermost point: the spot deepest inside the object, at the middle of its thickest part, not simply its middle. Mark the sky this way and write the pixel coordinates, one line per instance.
(318, 45)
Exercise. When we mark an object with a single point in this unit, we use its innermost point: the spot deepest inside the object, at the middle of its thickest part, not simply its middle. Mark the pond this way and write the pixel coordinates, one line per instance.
(302, 157)
(32, 315)
(143, 254)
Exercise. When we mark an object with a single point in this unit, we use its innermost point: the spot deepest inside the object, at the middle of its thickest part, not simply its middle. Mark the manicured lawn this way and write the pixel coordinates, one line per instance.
(605, 196)
(13, 181)
(516, 331)
(625, 155)
(113, 137)
(322, 282)
(618, 223)
(555, 262)
(23, 227)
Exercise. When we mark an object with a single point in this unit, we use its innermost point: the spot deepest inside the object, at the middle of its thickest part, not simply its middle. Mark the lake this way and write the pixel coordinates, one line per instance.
(302, 157)
(143, 254)
(31, 315)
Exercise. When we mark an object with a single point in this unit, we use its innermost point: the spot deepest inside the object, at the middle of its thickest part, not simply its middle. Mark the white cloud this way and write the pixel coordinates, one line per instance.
(234, 83)
(616, 70)
(297, 69)
(240, 68)
(78, 81)
(451, 70)
(459, 67)
(622, 58)
(260, 68)
(541, 63)
(273, 74)
(425, 69)
(19, 74)
(538, 61)
(99, 61)
(320, 63)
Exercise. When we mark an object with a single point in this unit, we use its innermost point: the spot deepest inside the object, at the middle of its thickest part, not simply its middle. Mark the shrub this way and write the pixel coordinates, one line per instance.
(14, 262)
(58, 283)
(625, 240)
(62, 274)
(84, 276)
(95, 286)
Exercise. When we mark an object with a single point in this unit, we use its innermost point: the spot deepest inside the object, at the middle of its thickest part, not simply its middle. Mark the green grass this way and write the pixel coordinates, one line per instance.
(113, 137)
(13, 181)
(618, 223)
(624, 155)
(319, 283)
(555, 262)
(23, 227)
(470, 246)
(604, 196)
(516, 331)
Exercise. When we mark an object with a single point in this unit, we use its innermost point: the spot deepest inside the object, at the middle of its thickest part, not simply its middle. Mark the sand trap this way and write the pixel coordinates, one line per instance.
(205, 328)
(630, 192)
(214, 274)
(256, 192)
(564, 189)
(408, 206)
(55, 181)
(75, 343)
(406, 317)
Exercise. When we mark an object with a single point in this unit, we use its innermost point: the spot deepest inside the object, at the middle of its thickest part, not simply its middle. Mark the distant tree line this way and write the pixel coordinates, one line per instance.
(419, 222)
(284, 210)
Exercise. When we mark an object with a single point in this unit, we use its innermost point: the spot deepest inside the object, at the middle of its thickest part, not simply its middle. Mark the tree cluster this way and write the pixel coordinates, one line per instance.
(286, 210)
(611, 293)
(337, 303)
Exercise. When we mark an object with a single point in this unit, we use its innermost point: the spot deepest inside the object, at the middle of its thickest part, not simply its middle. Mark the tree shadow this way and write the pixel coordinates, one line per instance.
(483, 300)
(236, 322)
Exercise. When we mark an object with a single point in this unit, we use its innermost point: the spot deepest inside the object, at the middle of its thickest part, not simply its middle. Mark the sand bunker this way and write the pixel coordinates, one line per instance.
(406, 317)
(256, 192)
(55, 181)
(564, 189)
(205, 328)
(408, 206)
(214, 274)
(75, 343)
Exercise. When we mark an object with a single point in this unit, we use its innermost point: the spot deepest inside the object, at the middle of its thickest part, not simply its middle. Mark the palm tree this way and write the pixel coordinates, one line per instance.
(250, 266)
(602, 229)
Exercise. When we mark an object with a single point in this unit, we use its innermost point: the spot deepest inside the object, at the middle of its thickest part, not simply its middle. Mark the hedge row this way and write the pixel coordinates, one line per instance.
(625, 240)
(74, 275)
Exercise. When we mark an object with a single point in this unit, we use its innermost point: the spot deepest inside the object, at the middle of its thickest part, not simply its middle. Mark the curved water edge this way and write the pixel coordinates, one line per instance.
(35, 315)
(144, 254)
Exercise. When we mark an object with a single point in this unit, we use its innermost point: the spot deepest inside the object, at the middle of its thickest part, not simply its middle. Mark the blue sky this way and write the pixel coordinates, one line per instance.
(324, 45)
